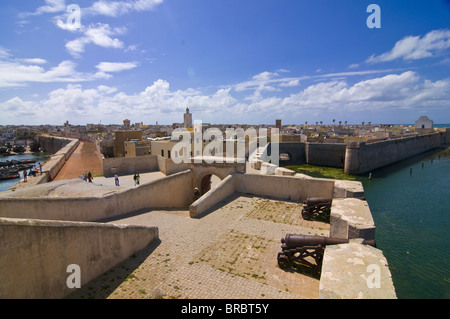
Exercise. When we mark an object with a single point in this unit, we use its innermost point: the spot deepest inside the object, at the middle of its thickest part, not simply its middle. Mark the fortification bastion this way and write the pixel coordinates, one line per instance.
(61, 215)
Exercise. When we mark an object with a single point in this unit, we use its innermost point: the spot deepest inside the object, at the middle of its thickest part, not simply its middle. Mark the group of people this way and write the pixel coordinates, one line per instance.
(136, 178)
(33, 172)
(87, 177)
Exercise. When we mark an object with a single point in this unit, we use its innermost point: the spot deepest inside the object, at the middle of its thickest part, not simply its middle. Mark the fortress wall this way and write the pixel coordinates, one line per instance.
(323, 154)
(168, 167)
(296, 151)
(52, 166)
(140, 164)
(66, 146)
(68, 149)
(175, 191)
(129, 165)
(284, 187)
(53, 144)
(363, 158)
(224, 189)
(35, 254)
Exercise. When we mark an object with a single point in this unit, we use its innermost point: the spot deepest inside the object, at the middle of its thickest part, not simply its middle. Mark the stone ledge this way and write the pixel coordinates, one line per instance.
(344, 189)
(355, 271)
(351, 218)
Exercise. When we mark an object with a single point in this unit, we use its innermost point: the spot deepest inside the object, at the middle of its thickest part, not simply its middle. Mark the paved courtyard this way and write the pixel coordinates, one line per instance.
(231, 252)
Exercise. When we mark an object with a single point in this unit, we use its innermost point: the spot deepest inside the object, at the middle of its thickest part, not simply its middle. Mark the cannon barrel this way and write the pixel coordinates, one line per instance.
(294, 240)
(318, 200)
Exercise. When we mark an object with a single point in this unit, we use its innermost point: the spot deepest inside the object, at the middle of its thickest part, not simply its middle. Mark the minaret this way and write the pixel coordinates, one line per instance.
(187, 119)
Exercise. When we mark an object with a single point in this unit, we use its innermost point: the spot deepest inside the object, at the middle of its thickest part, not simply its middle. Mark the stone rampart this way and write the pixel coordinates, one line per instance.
(168, 167)
(296, 152)
(224, 189)
(35, 254)
(294, 188)
(350, 219)
(140, 164)
(361, 158)
(175, 191)
(53, 165)
(326, 154)
(52, 144)
(129, 165)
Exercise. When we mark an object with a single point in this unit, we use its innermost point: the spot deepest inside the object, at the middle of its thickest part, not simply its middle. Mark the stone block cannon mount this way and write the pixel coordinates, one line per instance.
(306, 251)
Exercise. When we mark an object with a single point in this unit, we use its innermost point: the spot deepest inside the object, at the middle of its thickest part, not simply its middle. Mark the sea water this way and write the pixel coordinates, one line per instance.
(7, 184)
(410, 205)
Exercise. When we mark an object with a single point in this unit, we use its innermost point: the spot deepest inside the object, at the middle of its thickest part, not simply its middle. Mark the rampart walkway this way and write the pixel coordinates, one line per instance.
(229, 253)
(83, 160)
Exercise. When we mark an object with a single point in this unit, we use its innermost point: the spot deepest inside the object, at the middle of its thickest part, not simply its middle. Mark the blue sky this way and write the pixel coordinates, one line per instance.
(229, 61)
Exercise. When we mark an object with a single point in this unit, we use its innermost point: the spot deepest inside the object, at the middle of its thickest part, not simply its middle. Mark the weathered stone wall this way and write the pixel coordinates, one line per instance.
(326, 154)
(284, 187)
(351, 218)
(175, 191)
(35, 254)
(53, 165)
(129, 165)
(52, 144)
(168, 166)
(225, 188)
(362, 158)
(296, 152)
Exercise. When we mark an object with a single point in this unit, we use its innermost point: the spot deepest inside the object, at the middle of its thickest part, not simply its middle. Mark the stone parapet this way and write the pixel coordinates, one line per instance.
(35, 254)
(351, 218)
(355, 271)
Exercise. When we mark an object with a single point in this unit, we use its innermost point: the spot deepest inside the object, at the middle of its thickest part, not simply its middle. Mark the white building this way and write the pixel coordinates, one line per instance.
(424, 125)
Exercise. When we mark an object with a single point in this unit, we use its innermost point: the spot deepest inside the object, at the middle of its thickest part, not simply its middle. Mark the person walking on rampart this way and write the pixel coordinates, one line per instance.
(89, 177)
(116, 179)
(25, 176)
(196, 193)
(135, 179)
(138, 179)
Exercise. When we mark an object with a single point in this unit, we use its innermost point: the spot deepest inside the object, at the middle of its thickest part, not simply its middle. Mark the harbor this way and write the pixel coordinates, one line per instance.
(13, 166)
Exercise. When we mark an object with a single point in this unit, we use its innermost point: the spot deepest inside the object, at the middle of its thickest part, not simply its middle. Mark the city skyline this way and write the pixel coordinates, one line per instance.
(242, 62)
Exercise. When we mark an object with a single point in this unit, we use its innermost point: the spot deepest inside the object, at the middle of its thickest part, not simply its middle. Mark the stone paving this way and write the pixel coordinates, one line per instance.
(229, 253)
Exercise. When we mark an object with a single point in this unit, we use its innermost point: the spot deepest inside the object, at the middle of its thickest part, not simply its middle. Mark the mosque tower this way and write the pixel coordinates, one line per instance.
(187, 119)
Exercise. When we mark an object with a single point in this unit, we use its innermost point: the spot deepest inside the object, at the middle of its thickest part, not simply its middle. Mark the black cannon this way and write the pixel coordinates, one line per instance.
(317, 208)
(297, 248)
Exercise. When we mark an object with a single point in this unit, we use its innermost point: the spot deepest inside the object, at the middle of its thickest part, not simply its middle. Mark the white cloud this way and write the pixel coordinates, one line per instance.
(16, 74)
(52, 6)
(35, 61)
(101, 7)
(117, 8)
(403, 91)
(290, 83)
(115, 66)
(98, 34)
(416, 47)
(4, 53)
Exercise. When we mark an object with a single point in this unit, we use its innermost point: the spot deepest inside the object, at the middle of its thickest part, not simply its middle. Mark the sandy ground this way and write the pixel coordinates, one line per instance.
(83, 160)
